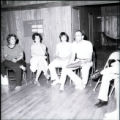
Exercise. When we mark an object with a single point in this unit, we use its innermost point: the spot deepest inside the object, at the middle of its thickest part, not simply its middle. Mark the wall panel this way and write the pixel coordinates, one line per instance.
(55, 20)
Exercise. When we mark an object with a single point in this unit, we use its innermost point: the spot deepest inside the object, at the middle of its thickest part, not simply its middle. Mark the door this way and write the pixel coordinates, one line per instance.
(75, 21)
(90, 17)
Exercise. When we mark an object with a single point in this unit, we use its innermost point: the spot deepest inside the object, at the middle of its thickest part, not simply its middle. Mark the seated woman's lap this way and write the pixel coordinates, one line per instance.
(11, 65)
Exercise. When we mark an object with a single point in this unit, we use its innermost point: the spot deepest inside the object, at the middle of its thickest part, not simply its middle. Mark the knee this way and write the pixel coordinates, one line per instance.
(105, 80)
(18, 71)
(33, 69)
(51, 65)
(66, 70)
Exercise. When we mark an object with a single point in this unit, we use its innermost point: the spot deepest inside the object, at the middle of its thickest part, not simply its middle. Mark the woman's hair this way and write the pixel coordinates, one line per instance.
(37, 34)
(12, 35)
(111, 61)
(63, 33)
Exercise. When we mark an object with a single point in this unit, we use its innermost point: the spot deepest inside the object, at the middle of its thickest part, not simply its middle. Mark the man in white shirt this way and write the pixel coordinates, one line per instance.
(82, 50)
(109, 73)
(62, 56)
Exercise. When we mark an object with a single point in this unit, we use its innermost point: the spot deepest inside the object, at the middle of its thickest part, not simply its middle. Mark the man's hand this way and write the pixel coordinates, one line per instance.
(74, 64)
(14, 60)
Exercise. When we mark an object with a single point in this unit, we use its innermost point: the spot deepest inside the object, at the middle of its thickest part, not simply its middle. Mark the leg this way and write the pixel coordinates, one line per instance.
(117, 95)
(75, 78)
(18, 74)
(22, 64)
(115, 113)
(15, 68)
(52, 67)
(85, 73)
(3, 67)
(33, 64)
(4, 78)
(103, 93)
(38, 74)
(45, 69)
(63, 78)
(37, 77)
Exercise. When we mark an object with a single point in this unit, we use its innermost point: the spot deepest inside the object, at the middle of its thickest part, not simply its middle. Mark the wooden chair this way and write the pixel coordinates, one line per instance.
(93, 67)
(12, 78)
(111, 88)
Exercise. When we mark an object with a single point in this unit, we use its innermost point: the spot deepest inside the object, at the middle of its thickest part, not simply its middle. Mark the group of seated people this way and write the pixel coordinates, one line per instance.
(78, 53)
(68, 56)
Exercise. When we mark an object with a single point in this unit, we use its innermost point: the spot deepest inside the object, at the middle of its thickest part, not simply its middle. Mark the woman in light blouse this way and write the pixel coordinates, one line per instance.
(38, 61)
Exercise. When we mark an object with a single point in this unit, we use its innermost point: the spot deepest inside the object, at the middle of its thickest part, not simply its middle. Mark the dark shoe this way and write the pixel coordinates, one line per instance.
(101, 103)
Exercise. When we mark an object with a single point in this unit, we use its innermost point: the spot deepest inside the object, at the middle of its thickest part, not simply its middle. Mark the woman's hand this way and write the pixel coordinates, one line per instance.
(45, 57)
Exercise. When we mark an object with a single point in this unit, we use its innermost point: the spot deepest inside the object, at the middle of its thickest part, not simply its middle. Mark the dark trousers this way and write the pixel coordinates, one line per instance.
(15, 67)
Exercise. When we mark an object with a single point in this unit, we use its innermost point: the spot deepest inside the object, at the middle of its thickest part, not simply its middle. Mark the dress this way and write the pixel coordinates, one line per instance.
(38, 59)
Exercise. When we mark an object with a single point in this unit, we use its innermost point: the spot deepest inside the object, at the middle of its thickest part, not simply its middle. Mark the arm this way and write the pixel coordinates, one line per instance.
(73, 53)
(57, 51)
(72, 58)
(114, 69)
(20, 56)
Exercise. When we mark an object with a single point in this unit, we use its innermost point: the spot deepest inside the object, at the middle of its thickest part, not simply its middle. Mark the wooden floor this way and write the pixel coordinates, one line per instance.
(46, 102)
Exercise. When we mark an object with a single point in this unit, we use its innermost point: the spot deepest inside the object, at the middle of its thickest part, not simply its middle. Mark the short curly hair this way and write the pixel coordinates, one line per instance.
(64, 34)
(12, 35)
(36, 34)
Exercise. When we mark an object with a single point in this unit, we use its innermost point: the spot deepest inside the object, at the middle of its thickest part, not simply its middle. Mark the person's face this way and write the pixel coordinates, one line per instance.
(37, 39)
(12, 40)
(63, 38)
(78, 36)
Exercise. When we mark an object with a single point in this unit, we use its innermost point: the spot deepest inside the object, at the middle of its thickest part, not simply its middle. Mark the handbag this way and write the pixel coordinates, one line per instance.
(96, 75)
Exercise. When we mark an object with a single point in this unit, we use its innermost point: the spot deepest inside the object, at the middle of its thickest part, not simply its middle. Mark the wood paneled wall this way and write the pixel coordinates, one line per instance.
(55, 20)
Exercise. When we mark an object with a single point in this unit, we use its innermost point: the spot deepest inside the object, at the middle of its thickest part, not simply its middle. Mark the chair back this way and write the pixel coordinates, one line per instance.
(94, 61)
(48, 57)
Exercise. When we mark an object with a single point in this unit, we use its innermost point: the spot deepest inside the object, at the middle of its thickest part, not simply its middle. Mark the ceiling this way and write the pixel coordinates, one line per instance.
(12, 5)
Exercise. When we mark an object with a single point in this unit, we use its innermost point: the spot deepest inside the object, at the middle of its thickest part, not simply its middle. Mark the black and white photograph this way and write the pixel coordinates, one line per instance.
(60, 60)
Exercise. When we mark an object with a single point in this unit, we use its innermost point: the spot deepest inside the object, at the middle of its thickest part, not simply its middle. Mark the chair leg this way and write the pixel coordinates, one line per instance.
(90, 82)
(89, 78)
(113, 87)
(96, 85)
(70, 81)
(32, 77)
(24, 77)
